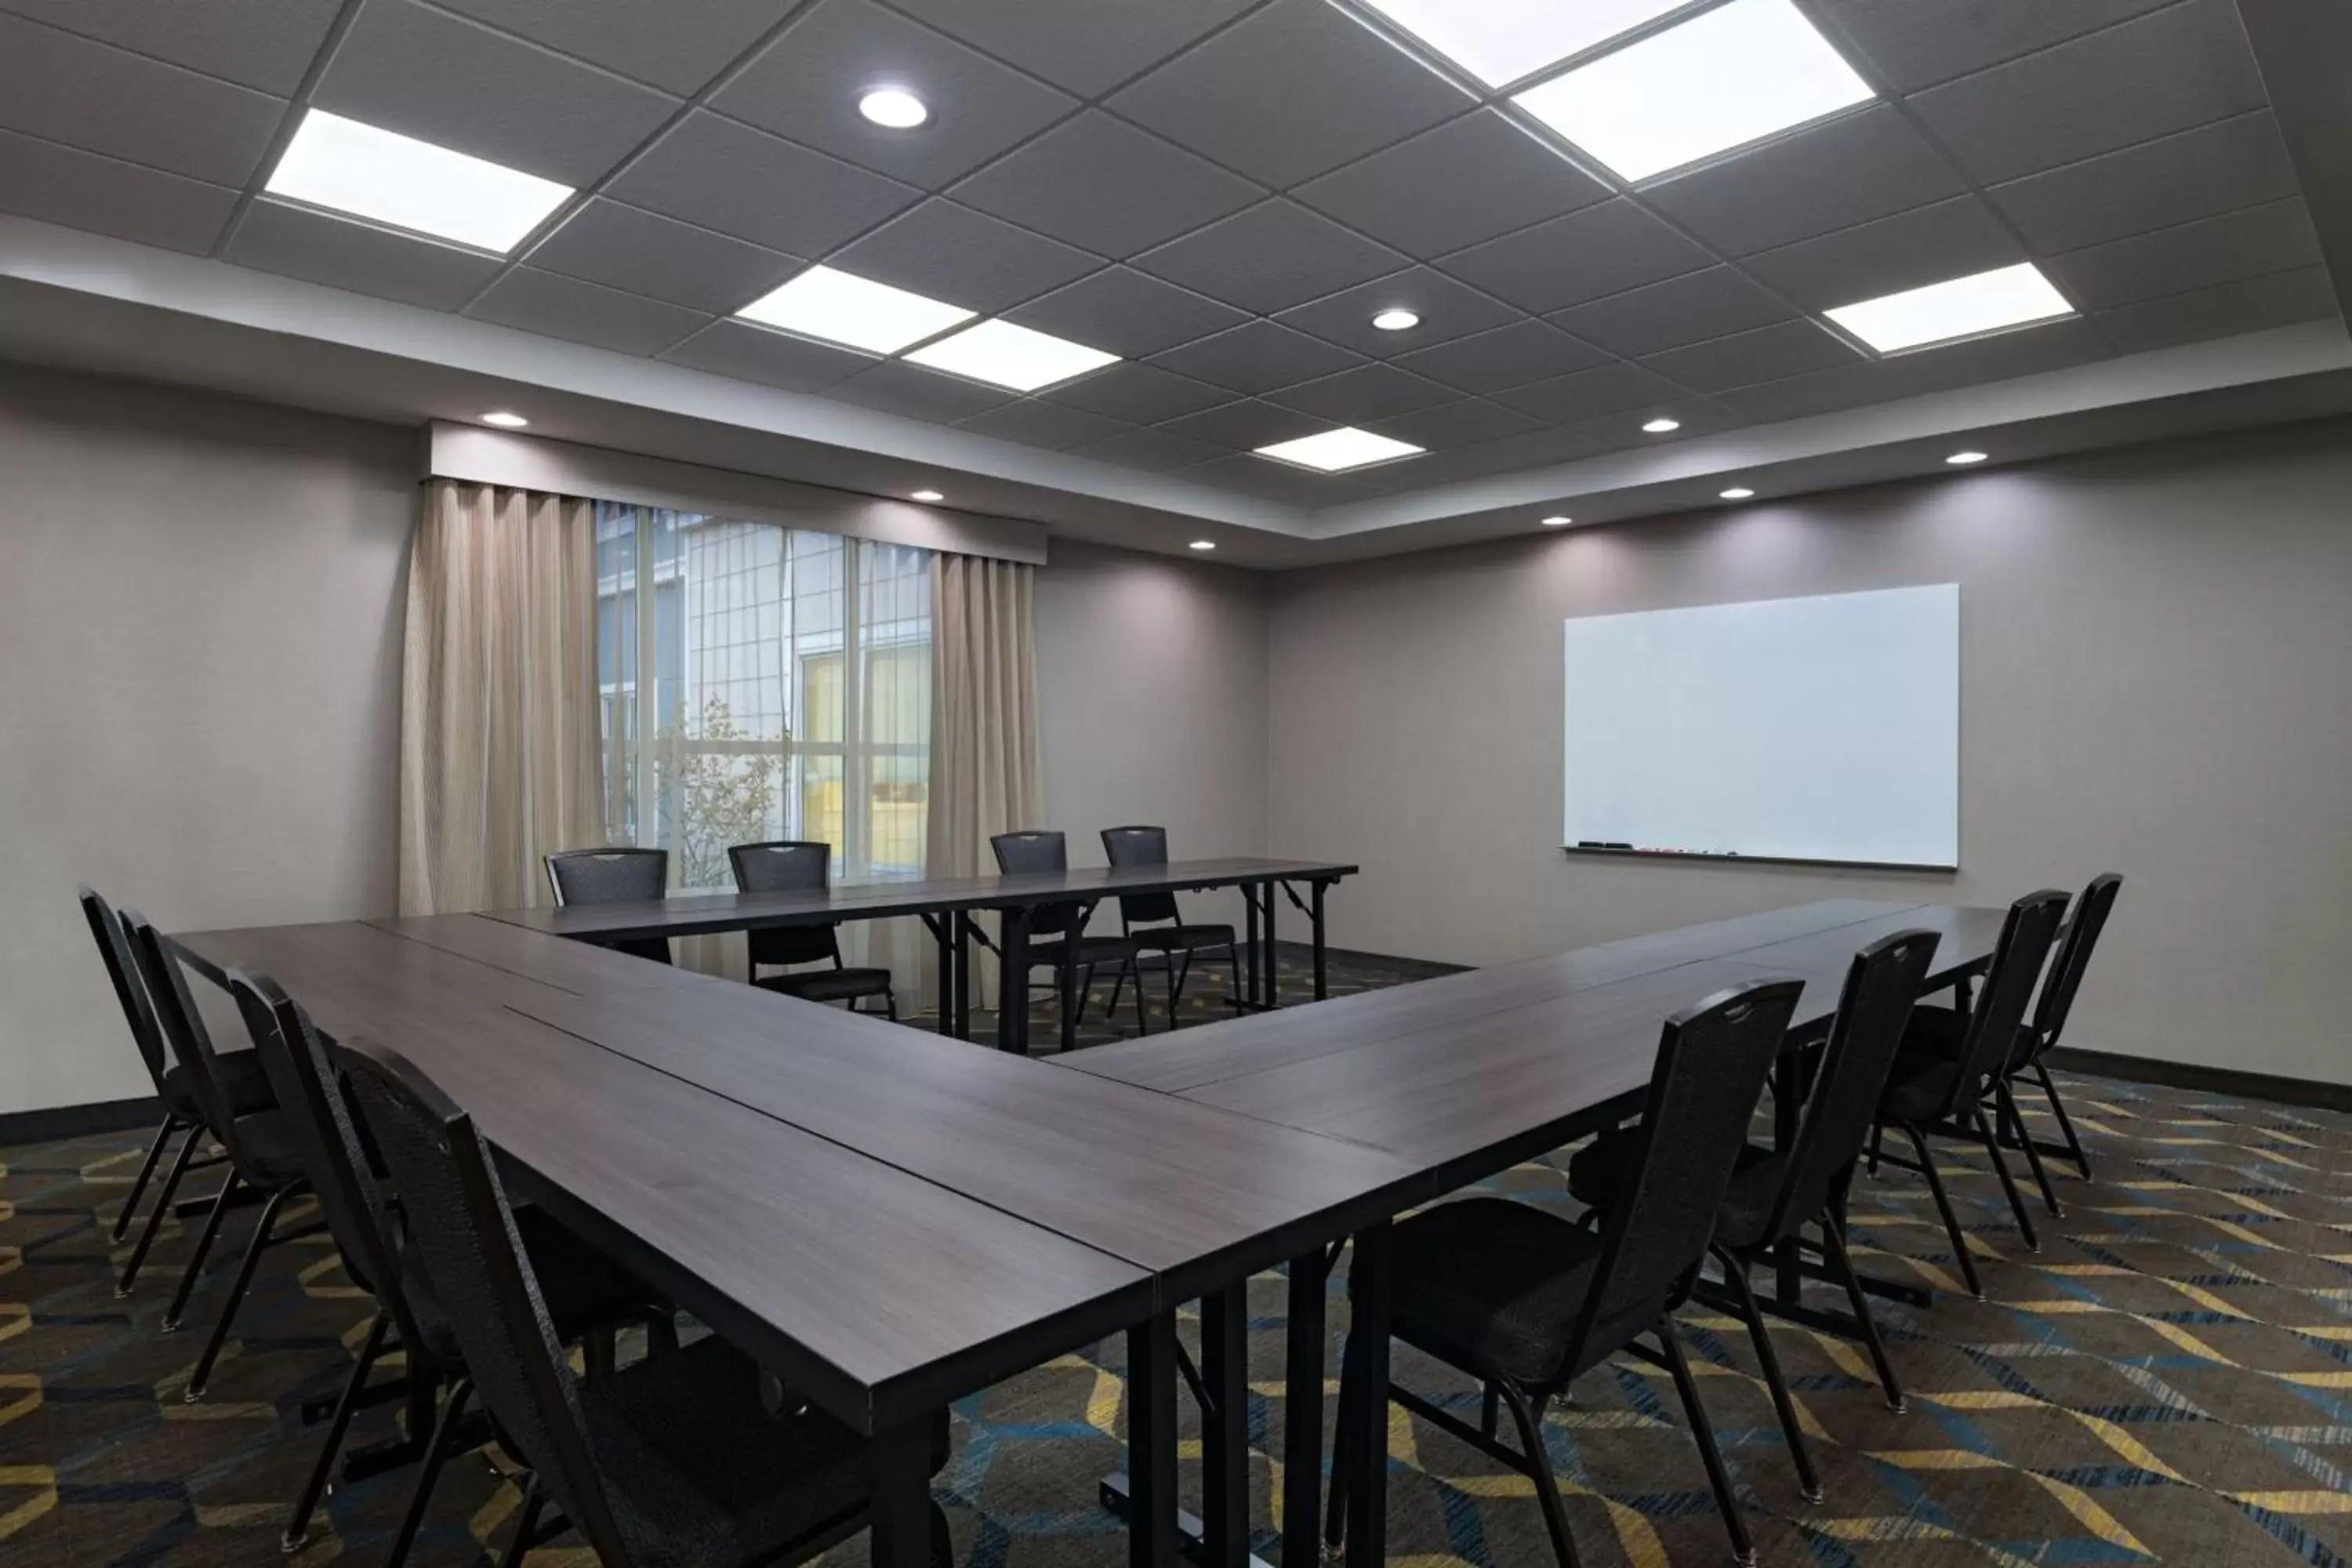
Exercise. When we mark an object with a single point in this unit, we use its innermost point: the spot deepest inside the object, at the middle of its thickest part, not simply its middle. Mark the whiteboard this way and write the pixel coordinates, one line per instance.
(1812, 729)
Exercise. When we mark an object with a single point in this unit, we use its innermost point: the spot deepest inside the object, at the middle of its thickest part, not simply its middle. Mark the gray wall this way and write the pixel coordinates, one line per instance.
(2156, 678)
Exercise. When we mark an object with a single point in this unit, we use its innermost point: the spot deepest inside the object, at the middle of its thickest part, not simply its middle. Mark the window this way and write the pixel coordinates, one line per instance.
(761, 682)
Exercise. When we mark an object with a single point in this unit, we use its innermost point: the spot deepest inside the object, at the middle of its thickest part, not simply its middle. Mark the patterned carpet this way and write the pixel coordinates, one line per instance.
(2165, 1382)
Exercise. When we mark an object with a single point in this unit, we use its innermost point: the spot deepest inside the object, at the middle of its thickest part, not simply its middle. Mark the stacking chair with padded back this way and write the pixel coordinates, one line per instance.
(1775, 1194)
(1154, 923)
(614, 876)
(796, 865)
(240, 1079)
(2050, 1010)
(1951, 1064)
(674, 1462)
(1073, 955)
(1527, 1302)
(586, 1294)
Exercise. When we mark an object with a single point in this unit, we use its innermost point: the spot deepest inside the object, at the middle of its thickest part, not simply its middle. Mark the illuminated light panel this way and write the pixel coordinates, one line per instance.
(841, 308)
(504, 420)
(1959, 307)
(1500, 41)
(1965, 459)
(1334, 451)
(894, 108)
(1739, 492)
(1557, 521)
(359, 170)
(1002, 355)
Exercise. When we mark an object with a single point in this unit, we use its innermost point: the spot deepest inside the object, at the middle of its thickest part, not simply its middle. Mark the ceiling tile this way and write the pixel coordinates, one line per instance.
(265, 43)
(1599, 250)
(1848, 170)
(679, 48)
(1126, 313)
(82, 190)
(1768, 353)
(895, 386)
(1297, 89)
(943, 251)
(1509, 356)
(1589, 392)
(1278, 481)
(744, 183)
(1367, 393)
(1155, 451)
(1086, 46)
(1914, 44)
(2212, 169)
(2029, 350)
(1820, 391)
(2253, 305)
(1270, 258)
(2275, 237)
(296, 243)
(1139, 394)
(63, 87)
(1687, 309)
(749, 353)
(1101, 184)
(2164, 72)
(1034, 422)
(1447, 309)
(1909, 250)
(623, 247)
(1247, 425)
(1459, 423)
(445, 81)
(1622, 431)
(1536, 450)
(807, 83)
(1467, 181)
(1257, 357)
(557, 307)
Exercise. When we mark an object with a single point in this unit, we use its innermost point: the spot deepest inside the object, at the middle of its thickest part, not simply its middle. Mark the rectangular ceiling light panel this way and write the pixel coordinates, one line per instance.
(1500, 41)
(1959, 308)
(1335, 450)
(347, 167)
(1724, 79)
(841, 308)
(1002, 355)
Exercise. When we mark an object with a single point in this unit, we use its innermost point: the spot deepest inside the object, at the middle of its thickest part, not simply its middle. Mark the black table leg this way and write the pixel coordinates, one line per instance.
(1315, 918)
(1225, 1434)
(962, 975)
(901, 1461)
(1367, 1445)
(1302, 1416)
(1249, 946)
(1273, 969)
(1151, 1538)
(1067, 985)
(1012, 985)
(942, 928)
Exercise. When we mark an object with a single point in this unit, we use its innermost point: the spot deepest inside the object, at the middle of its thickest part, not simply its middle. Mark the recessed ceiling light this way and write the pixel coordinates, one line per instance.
(1738, 492)
(1557, 521)
(1962, 460)
(1002, 355)
(347, 167)
(893, 107)
(1204, 544)
(1661, 424)
(1726, 78)
(1500, 41)
(1959, 308)
(504, 420)
(928, 496)
(1346, 448)
(1396, 321)
(841, 308)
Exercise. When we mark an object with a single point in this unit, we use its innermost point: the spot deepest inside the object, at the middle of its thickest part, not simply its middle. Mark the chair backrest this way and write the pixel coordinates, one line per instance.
(1881, 986)
(1713, 1059)
(1034, 851)
(2026, 936)
(122, 974)
(611, 876)
(461, 1229)
(787, 866)
(183, 1030)
(1141, 846)
(2075, 946)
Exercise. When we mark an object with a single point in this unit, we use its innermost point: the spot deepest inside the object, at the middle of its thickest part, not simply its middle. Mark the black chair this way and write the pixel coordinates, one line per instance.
(1775, 1194)
(1952, 1061)
(1067, 951)
(1527, 1302)
(587, 1295)
(795, 866)
(674, 1462)
(2041, 1036)
(240, 1078)
(614, 876)
(1154, 923)
(260, 1145)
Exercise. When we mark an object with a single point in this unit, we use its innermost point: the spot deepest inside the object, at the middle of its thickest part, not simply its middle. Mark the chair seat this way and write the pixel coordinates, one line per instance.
(240, 1078)
(1181, 938)
(582, 1288)
(700, 1475)
(1488, 1283)
(828, 984)
(1597, 1175)
(1095, 949)
(1927, 1068)
(271, 1157)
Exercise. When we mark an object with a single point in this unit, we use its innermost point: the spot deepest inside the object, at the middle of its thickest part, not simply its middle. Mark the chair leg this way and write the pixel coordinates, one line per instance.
(1335, 1508)
(254, 1247)
(2065, 1122)
(1833, 1239)
(1991, 1142)
(890, 1003)
(297, 1526)
(1233, 972)
(1142, 1024)
(138, 1181)
(526, 1525)
(1117, 983)
(1555, 1512)
(1176, 978)
(164, 1197)
(1943, 1206)
(196, 1259)
(1877, 1147)
(437, 1453)
(1490, 1411)
(1743, 1549)
(2016, 1120)
(597, 1355)
(1809, 1483)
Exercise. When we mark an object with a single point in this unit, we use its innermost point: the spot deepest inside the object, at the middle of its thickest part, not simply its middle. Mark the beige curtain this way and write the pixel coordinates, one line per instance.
(985, 778)
(501, 751)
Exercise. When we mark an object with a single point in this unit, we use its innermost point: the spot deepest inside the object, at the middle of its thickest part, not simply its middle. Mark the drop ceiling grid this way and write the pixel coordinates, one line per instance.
(1482, 422)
